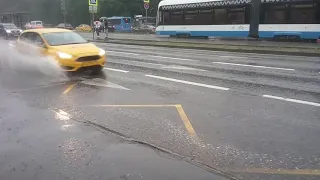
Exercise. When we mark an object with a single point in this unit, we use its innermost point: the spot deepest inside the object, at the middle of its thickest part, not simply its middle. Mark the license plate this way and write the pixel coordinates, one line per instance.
(89, 63)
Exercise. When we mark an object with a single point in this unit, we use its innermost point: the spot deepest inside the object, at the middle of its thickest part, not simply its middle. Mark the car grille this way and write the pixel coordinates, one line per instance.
(88, 58)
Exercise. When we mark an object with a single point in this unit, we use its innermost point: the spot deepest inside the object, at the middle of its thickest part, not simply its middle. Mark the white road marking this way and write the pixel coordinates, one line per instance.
(153, 64)
(182, 68)
(237, 57)
(247, 65)
(164, 57)
(292, 100)
(123, 53)
(188, 82)
(117, 70)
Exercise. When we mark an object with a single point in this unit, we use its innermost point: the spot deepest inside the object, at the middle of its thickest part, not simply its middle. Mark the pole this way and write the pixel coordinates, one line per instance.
(254, 21)
(93, 28)
(64, 19)
(146, 20)
(64, 8)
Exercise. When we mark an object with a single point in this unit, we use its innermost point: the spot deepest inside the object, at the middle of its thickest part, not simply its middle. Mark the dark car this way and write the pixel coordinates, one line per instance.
(111, 27)
(65, 26)
(9, 30)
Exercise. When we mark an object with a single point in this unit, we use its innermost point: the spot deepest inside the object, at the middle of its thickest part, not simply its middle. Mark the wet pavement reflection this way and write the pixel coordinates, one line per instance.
(125, 124)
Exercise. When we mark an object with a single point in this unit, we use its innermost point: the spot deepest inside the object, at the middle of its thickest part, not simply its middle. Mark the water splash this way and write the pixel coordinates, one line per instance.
(27, 59)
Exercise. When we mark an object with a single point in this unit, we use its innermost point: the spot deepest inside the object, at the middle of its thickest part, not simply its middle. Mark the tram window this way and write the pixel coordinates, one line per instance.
(275, 15)
(220, 16)
(303, 14)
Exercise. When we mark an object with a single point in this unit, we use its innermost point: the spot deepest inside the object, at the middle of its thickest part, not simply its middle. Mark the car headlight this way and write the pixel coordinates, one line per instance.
(20, 31)
(64, 55)
(8, 31)
(102, 52)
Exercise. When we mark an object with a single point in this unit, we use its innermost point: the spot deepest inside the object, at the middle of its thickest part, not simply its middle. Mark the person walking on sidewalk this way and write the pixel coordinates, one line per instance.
(106, 28)
(97, 25)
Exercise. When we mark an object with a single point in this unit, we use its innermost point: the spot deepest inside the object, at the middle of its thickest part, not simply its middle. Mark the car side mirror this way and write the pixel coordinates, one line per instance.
(41, 44)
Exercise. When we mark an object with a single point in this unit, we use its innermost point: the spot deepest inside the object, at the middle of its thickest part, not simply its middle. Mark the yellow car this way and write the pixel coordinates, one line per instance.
(72, 52)
(84, 27)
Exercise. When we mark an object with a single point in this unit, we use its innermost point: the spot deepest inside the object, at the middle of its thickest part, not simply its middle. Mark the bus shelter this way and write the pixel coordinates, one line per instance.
(19, 19)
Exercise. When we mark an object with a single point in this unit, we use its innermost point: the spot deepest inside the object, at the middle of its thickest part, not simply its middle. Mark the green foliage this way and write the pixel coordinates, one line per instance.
(49, 11)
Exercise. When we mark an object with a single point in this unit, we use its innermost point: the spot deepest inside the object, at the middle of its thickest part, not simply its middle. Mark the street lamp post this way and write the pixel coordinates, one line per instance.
(64, 12)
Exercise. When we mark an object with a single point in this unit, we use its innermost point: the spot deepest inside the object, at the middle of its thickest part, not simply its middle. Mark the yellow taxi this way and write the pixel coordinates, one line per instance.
(72, 52)
(84, 27)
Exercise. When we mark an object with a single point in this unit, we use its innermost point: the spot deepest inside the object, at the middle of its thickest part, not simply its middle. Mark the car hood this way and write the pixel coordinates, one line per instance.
(78, 49)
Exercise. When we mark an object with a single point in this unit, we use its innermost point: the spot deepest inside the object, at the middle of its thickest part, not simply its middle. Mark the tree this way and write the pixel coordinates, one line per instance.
(49, 11)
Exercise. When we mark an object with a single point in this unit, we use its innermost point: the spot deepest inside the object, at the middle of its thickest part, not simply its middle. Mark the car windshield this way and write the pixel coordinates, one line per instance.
(63, 38)
(10, 26)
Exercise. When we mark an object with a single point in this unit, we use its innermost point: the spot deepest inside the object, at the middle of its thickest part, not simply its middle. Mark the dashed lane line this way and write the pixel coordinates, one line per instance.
(188, 82)
(236, 57)
(181, 59)
(117, 70)
(135, 54)
(292, 100)
(254, 66)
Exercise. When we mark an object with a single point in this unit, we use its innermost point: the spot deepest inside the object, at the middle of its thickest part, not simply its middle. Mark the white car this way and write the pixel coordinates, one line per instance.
(34, 25)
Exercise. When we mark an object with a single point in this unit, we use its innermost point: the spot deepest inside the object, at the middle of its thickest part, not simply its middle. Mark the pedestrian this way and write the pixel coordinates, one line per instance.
(97, 25)
(106, 27)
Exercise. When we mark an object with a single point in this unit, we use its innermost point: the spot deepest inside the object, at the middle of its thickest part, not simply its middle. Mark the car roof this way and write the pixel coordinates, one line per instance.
(48, 30)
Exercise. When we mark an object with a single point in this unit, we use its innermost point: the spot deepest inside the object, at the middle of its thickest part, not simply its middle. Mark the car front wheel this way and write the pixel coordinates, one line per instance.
(97, 70)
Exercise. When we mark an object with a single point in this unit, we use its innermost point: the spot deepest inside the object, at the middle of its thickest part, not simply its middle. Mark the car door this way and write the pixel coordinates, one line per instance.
(31, 43)
(23, 42)
(38, 42)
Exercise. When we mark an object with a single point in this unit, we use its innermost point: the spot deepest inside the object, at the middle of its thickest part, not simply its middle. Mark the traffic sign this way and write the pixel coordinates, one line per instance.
(93, 2)
(146, 1)
(93, 9)
(146, 5)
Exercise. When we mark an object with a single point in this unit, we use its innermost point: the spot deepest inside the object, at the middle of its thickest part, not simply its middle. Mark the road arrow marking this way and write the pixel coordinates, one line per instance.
(102, 83)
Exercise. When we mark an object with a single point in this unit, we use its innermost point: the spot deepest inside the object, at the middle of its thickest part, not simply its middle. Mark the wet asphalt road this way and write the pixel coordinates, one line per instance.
(250, 115)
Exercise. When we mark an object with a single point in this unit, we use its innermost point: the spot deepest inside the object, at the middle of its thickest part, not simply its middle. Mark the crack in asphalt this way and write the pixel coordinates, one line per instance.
(194, 162)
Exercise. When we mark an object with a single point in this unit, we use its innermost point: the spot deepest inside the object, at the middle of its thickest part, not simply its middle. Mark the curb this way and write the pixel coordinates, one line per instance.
(275, 51)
